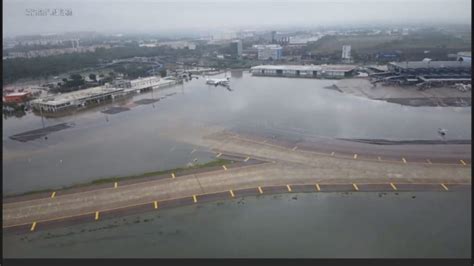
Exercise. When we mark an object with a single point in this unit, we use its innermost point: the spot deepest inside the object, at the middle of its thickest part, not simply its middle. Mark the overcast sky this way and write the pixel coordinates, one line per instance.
(155, 16)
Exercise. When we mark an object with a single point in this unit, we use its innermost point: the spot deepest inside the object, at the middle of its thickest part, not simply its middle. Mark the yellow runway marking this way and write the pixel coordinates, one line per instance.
(404, 161)
(294, 148)
(260, 190)
(463, 163)
(445, 187)
(332, 153)
(218, 155)
(156, 204)
(429, 162)
(318, 188)
(96, 215)
(225, 168)
(115, 185)
(53, 194)
(172, 175)
(33, 226)
(194, 198)
(393, 186)
(246, 159)
(355, 156)
(355, 187)
(231, 193)
(288, 187)
(193, 151)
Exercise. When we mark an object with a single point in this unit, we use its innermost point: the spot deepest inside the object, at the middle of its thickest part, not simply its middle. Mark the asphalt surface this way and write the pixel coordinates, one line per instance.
(284, 169)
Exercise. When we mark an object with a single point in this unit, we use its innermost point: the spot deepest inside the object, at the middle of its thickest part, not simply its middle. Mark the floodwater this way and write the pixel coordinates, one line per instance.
(148, 138)
(317, 225)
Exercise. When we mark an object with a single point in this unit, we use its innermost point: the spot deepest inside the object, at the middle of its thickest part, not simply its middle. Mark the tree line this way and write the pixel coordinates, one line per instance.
(44, 67)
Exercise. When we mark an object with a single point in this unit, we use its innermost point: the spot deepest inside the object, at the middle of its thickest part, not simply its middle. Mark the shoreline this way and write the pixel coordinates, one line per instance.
(130, 179)
(403, 95)
(232, 195)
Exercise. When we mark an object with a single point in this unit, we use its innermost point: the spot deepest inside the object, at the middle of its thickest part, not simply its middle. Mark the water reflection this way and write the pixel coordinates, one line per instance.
(236, 73)
(140, 139)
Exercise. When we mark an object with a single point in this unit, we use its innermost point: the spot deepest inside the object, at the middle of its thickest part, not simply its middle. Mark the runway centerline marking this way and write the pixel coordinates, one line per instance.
(246, 159)
(260, 190)
(393, 186)
(194, 198)
(33, 226)
(155, 203)
(355, 187)
(96, 215)
(378, 158)
(53, 194)
(218, 155)
(463, 162)
(288, 187)
(318, 188)
(231, 193)
(445, 187)
(225, 168)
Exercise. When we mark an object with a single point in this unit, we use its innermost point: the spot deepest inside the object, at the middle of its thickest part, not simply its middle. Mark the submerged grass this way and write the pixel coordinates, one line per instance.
(213, 163)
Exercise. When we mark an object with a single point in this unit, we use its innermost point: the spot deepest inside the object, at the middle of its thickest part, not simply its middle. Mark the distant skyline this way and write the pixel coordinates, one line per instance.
(165, 17)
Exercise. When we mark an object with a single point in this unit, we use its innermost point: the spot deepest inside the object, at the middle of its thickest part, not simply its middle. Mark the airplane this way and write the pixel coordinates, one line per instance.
(216, 82)
(442, 132)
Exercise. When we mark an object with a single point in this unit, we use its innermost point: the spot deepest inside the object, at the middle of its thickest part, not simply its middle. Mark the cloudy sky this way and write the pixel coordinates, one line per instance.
(158, 16)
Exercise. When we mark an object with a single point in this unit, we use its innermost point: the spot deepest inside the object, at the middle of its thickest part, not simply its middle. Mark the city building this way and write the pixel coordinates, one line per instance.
(269, 52)
(346, 53)
(236, 48)
(273, 37)
(179, 45)
(388, 56)
(56, 51)
(304, 71)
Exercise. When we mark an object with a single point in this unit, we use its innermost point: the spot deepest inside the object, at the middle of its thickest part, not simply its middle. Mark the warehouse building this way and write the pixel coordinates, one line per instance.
(304, 71)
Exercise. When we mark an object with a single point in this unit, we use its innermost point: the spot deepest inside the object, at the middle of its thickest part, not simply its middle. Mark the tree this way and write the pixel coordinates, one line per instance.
(93, 77)
(163, 73)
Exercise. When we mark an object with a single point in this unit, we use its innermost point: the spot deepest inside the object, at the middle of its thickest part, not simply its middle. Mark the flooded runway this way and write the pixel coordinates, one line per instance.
(149, 139)
(312, 225)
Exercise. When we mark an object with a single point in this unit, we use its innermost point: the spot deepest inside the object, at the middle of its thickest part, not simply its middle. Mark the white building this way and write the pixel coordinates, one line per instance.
(304, 71)
(346, 52)
(236, 47)
(179, 45)
(266, 52)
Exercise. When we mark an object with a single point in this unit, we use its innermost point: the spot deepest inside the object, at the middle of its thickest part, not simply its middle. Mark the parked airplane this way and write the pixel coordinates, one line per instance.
(216, 82)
